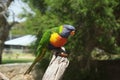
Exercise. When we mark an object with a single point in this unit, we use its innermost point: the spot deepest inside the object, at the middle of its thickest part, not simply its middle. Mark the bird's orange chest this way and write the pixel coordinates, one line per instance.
(56, 40)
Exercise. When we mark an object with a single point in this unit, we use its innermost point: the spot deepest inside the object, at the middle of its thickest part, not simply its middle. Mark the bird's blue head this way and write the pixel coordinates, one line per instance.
(69, 27)
(67, 30)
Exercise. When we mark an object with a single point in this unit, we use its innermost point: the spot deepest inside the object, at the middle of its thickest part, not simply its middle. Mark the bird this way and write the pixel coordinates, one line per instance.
(53, 39)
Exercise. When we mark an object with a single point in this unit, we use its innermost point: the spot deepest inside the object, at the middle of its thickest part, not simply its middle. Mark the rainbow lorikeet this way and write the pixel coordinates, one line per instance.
(52, 39)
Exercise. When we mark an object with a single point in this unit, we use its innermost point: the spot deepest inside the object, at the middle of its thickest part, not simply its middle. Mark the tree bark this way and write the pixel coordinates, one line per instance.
(56, 68)
(1, 50)
(4, 25)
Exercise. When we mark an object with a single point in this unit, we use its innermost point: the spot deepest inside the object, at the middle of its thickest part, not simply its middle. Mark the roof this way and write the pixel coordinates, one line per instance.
(26, 40)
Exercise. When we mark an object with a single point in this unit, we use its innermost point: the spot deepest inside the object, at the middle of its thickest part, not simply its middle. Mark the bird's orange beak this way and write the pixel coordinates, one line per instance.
(72, 33)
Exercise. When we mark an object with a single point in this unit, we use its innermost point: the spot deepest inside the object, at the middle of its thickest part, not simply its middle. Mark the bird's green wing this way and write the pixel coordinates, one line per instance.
(43, 42)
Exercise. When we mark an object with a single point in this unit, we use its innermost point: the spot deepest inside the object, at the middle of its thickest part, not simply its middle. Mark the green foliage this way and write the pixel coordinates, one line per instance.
(41, 22)
(20, 29)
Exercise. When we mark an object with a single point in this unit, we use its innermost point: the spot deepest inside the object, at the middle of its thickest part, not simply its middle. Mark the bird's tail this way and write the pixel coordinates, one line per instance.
(38, 58)
(30, 68)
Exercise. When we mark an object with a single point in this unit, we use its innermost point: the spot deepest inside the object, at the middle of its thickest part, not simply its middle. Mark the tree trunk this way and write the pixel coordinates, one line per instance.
(1, 50)
(56, 68)
(4, 25)
(3, 34)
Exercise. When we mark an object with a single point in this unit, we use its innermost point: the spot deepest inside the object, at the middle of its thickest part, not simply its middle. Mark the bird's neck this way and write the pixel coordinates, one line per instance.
(65, 33)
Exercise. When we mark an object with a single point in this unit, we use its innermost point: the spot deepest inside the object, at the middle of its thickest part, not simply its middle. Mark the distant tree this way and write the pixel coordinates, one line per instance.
(4, 25)
(97, 25)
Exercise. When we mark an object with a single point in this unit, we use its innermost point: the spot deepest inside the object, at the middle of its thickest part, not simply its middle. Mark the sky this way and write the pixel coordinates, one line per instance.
(17, 7)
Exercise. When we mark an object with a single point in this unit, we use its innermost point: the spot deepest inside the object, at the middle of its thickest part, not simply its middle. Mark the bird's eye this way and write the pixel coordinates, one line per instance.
(72, 33)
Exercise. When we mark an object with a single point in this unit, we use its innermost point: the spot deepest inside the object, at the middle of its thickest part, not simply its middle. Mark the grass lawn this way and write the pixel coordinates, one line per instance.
(17, 57)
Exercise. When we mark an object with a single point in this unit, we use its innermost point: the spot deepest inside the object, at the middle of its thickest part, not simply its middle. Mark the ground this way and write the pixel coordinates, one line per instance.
(15, 64)
(16, 71)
